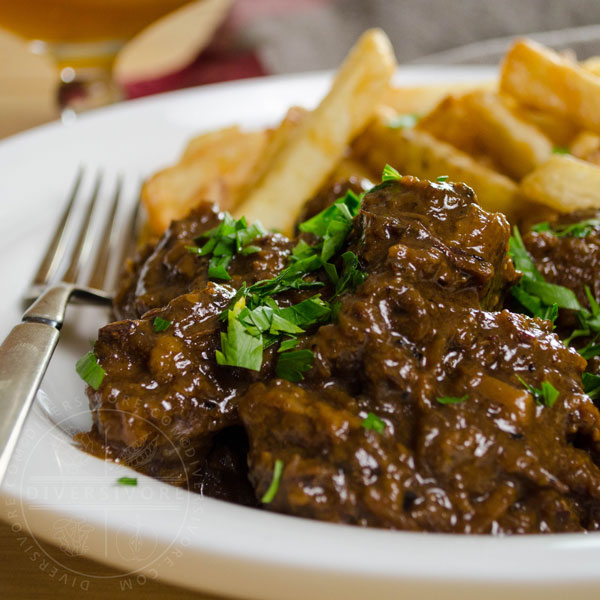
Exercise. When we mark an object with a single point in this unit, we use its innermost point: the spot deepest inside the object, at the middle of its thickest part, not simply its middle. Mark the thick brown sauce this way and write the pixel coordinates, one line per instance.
(427, 323)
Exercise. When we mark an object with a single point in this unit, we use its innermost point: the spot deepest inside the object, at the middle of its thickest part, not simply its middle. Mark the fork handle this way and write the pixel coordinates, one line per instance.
(24, 358)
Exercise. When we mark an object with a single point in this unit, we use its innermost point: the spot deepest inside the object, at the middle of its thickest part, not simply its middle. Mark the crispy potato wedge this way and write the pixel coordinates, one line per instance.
(303, 164)
(539, 77)
(420, 100)
(416, 152)
(517, 146)
(592, 65)
(586, 146)
(558, 129)
(278, 139)
(450, 121)
(564, 183)
(214, 167)
(352, 167)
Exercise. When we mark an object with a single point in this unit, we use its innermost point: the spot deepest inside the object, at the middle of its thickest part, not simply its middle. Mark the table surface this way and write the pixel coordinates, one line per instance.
(27, 85)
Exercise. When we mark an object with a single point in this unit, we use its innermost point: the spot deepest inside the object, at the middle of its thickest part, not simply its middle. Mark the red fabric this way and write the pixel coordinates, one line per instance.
(227, 57)
(205, 69)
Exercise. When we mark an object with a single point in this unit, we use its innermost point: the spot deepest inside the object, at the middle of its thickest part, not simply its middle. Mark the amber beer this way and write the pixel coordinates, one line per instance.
(81, 21)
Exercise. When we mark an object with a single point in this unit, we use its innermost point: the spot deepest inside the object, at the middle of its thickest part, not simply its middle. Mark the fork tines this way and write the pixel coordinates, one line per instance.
(90, 246)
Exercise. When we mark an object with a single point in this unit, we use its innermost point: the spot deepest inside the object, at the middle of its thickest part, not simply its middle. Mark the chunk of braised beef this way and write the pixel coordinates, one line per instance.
(170, 269)
(165, 388)
(414, 332)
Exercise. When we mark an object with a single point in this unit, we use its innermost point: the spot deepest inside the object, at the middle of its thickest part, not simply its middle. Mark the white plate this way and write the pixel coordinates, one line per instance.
(154, 530)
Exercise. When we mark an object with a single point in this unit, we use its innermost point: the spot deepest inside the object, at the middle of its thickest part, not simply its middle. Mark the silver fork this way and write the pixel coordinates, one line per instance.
(27, 350)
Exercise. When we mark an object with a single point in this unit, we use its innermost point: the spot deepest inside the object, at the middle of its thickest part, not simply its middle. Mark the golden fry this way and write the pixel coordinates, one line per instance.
(415, 152)
(565, 184)
(303, 164)
(214, 167)
(450, 121)
(420, 100)
(514, 144)
(587, 147)
(541, 78)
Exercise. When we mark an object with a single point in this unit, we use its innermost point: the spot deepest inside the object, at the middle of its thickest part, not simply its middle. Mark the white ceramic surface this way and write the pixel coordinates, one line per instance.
(154, 530)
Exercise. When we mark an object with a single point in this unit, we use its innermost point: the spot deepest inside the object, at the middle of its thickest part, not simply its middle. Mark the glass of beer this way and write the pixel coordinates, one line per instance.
(82, 37)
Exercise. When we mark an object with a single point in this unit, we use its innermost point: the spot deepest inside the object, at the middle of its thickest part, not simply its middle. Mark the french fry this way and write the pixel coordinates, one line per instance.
(278, 139)
(450, 121)
(565, 184)
(587, 147)
(539, 77)
(213, 167)
(592, 65)
(515, 145)
(303, 164)
(420, 100)
(558, 129)
(351, 167)
(416, 152)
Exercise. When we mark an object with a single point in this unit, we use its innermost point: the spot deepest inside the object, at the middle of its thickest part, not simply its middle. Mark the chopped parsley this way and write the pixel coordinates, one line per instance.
(293, 364)
(452, 399)
(351, 276)
(538, 297)
(288, 344)
(542, 299)
(581, 229)
(560, 150)
(90, 371)
(403, 120)
(373, 422)
(270, 493)
(443, 178)
(254, 319)
(240, 347)
(589, 325)
(160, 324)
(547, 395)
(390, 174)
(332, 225)
(230, 237)
(132, 481)
(591, 385)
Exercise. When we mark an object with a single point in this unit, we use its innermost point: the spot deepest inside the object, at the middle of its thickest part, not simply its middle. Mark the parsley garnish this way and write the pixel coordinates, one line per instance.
(127, 481)
(591, 350)
(332, 225)
(404, 120)
(160, 324)
(390, 174)
(452, 399)
(239, 347)
(288, 344)
(547, 395)
(591, 385)
(443, 178)
(580, 229)
(351, 276)
(292, 365)
(540, 298)
(560, 150)
(254, 319)
(89, 370)
(373, 422)
(277, 472)
(230, 237)
(589, 323)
